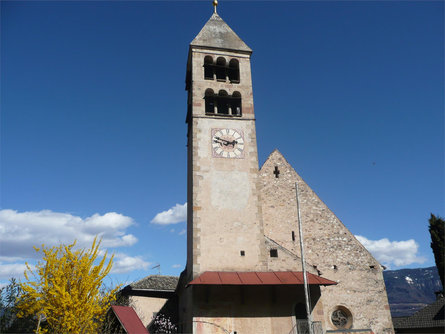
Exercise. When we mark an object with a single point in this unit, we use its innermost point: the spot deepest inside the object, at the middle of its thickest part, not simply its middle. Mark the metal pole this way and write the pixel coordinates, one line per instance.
(303, 264)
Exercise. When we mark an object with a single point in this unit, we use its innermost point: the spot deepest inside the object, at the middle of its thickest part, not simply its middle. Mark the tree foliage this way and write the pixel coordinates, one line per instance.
(65, 291)
(9, 323)
(437, 232)
(111, 324)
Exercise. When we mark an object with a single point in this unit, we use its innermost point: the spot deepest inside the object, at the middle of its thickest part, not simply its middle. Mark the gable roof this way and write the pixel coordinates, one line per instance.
(217, 34)
(129, 320)
(430, 316)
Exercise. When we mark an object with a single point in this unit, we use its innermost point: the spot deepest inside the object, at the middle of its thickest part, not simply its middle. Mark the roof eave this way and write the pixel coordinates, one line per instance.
(151, 290)
(198, 46)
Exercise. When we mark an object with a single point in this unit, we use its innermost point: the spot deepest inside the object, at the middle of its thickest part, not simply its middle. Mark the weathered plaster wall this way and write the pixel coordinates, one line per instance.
(145, 307)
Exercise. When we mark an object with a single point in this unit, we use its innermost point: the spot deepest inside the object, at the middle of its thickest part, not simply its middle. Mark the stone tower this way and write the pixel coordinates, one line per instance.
(225, 230)
(244, 265)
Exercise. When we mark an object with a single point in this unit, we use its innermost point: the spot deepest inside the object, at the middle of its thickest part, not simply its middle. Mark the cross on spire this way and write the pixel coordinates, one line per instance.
(276, 172)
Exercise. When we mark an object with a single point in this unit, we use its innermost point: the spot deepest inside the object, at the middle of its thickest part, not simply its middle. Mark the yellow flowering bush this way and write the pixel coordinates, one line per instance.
(65, 290)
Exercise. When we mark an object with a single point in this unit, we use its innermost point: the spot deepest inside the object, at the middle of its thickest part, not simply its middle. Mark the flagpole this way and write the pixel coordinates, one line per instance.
(303, 264)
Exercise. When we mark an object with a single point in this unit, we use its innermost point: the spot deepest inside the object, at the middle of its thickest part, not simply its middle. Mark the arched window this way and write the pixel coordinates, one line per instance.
(300, 311)
(221, 69)
(236, 104)
(233, 71)
(208, 68)
(223, 102)
(209, 101)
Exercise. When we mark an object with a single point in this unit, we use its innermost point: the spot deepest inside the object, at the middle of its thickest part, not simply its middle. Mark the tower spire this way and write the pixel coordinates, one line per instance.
(215, 4)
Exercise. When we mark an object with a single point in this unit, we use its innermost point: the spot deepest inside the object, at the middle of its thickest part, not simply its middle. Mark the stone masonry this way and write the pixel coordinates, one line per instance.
(244, 219)
(329, 247)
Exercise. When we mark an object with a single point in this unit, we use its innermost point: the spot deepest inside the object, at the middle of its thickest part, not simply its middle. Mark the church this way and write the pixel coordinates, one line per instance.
(264, 253)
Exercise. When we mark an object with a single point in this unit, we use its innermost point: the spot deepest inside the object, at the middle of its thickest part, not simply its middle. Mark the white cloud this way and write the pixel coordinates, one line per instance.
(123, 263)
(176, 266)
(176, 214)
(182, 231)
(20, 231)
(11, 270)
(398, 253)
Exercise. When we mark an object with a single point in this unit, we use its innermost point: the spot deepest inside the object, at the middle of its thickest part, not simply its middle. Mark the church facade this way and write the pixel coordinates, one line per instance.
(244, 271)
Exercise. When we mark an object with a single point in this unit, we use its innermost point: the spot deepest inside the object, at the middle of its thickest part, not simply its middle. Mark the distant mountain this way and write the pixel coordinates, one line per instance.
(411, 289)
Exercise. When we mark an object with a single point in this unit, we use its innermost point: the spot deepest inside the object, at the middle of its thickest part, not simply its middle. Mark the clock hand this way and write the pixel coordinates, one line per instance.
(233, 143)
(225, 142)
(222, 142)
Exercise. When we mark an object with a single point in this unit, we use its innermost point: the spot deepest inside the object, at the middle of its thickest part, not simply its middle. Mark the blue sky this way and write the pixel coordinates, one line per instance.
(93, 133)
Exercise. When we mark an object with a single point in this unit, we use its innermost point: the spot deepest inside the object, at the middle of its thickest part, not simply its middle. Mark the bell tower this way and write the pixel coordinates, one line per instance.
(224, 227)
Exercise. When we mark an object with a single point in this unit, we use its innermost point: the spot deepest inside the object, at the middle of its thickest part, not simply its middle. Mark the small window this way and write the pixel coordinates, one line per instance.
(233, 71)
(293, 236)
(242, 253)
(236, 104)
(208, 68)
(223, 103)
(276, 172)
(221, 69)
(273, 252)
(209, 101)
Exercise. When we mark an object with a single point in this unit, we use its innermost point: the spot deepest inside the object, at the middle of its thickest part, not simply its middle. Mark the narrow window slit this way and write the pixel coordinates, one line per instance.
(208, 68)
(233, 71)
(209, 101)
(273, 252)
(276, 172)
(220, 69)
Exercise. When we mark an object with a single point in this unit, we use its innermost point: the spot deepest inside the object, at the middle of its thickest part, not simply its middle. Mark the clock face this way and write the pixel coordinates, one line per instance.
(227, 143)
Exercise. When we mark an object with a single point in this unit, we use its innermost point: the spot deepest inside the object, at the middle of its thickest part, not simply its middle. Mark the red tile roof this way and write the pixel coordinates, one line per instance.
(129, 320)
(258, 278)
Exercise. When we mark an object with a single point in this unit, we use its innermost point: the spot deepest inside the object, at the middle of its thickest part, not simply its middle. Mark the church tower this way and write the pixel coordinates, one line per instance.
(225, 229)
(244, 275)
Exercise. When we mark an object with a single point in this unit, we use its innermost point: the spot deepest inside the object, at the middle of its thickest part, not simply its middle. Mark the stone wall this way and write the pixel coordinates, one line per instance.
(225, 229)
(330, 248)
